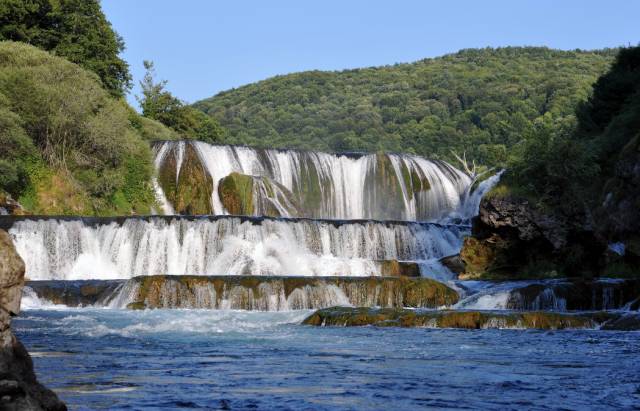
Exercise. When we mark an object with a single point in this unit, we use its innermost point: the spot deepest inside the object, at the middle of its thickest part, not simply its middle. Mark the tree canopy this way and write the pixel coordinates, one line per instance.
(66, 145)
(75, 29)
(159, 104)
(479, 101)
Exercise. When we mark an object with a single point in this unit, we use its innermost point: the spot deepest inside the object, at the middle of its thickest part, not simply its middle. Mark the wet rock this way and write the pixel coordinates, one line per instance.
(348, 317)
(79, 293)
(395, 268)
(242, 194)
(576, 294)
(19, 389)
(454, 263)
(185, 181)
(284, 293)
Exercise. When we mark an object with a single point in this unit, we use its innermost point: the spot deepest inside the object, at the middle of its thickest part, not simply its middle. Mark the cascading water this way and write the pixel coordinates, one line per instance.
(340, 186)
(79, 248)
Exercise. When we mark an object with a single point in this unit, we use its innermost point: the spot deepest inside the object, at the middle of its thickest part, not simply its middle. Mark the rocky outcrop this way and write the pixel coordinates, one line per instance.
(19, 389)
(242, 194)
(9, 206)
(284, 293)
(185, 181)
(349, 317)
(512, 239)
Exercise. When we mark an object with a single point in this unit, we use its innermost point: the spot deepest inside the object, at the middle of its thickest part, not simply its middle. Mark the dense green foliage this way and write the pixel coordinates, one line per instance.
(75, 29)
(159, 104)
(564, 165)
(67, 146)
(479, 101)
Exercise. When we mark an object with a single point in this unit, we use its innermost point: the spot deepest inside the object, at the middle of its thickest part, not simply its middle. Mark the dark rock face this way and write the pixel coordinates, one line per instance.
(577, 294)
(513, 239)
(19, 389)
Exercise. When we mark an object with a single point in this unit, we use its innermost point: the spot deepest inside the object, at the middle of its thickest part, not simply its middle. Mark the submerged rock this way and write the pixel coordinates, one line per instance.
(283, 293)
(19, 389)
(79, 293)
(349, 317)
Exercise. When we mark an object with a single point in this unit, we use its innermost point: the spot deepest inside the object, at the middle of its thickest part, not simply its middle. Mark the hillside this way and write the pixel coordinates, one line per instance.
(480, 101)
(66, 145)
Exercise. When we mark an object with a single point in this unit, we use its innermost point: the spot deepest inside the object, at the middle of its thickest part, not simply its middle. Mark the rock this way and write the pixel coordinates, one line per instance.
(349, 317)
(11, 275)
(19, 389)
(512, 239)
(395, 268)
(626, 322)
(454, 263)
(242, 194)
(10, 206)
(278, 293)
(185, 180)
(80, 293)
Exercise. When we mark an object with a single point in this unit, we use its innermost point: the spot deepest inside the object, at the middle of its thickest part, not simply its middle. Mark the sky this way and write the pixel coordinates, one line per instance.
(202, 47)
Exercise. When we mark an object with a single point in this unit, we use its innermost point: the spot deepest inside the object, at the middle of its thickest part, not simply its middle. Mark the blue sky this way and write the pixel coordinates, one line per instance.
(202, 47)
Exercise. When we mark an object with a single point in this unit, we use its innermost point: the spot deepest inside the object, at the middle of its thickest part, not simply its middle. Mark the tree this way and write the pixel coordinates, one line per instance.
(159, 104)
(75, 29)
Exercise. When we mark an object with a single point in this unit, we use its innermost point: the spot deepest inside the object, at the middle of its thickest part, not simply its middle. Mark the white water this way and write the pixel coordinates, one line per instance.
(348, 186)
(70, 250)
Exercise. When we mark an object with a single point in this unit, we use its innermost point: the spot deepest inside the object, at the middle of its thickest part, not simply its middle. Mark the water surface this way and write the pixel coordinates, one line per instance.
(198, 359)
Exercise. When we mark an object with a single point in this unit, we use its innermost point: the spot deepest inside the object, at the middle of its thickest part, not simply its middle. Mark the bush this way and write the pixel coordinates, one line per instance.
(84, 138)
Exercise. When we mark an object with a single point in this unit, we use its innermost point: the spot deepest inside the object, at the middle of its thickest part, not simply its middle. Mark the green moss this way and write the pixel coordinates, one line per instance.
(236, 194)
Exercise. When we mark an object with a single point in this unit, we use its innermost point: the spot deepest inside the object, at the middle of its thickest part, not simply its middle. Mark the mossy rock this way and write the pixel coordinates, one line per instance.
(188, 189)
(349, 317)
(236, 194)
(395, 268)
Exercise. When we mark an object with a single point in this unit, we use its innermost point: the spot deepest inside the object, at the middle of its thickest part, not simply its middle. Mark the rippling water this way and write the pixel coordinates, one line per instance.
(181, 359)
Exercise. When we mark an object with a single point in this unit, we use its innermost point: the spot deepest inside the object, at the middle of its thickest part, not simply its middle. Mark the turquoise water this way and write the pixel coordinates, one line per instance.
(196, 359)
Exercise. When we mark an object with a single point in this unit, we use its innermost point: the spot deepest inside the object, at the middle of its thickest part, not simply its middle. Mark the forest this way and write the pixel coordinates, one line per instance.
(480, 101)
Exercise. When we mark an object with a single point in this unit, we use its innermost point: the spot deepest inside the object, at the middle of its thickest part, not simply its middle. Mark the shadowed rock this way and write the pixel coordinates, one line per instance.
(19, 389)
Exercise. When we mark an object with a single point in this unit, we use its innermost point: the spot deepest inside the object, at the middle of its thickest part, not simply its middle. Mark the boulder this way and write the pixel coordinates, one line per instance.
(243, 194)
(185, 180)
(19, 388)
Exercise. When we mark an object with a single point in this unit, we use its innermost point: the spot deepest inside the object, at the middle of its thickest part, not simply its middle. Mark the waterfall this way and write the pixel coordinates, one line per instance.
(120, 248)
(337, 186)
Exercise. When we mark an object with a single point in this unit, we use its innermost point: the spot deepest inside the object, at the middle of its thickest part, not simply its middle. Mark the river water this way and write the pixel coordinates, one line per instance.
(199, 359)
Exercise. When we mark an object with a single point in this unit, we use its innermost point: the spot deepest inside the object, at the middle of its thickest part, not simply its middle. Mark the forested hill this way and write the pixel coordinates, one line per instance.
(482, 101)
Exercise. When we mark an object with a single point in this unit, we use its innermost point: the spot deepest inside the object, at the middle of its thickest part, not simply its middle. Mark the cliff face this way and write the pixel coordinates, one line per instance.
(19, 389)
(512, 239)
